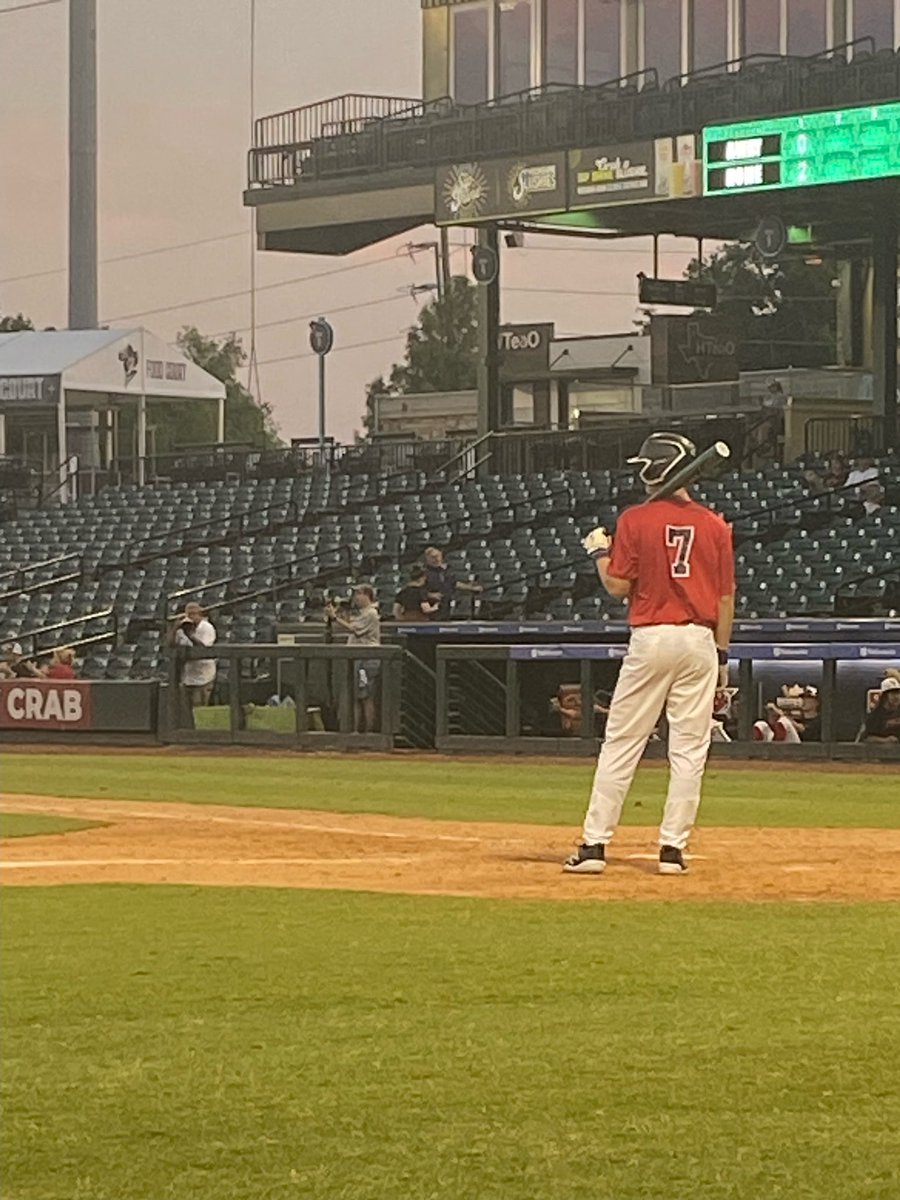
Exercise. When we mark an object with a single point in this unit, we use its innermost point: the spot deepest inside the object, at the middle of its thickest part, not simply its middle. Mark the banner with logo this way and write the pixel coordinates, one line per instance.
(45, 704)
(500, 189)
(29, 391)
(524, 350)
(695, 349)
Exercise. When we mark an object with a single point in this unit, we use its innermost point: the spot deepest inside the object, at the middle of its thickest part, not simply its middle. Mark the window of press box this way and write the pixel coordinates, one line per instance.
(762, 27)
(561, 41)
(602, 37)
(662, 29)
(471, 54)
(709, 33)
(807, 26)
(875, 19)
(513, 46)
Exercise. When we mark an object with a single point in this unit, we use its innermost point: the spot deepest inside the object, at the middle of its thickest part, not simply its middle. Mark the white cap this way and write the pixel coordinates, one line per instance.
(890, 684)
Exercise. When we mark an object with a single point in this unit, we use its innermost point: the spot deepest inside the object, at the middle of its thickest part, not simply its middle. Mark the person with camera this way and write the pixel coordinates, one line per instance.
(192, 628)
(363, 628)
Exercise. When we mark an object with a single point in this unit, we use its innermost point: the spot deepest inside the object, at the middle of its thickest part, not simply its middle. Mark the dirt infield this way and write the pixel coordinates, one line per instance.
(236, 847)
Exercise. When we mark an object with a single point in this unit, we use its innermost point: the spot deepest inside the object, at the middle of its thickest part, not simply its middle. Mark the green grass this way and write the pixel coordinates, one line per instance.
(31, 824)
(164, 1043)
(464, 790)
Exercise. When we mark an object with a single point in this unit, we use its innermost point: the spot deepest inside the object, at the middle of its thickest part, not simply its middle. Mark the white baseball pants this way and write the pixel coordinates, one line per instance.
(671, 667)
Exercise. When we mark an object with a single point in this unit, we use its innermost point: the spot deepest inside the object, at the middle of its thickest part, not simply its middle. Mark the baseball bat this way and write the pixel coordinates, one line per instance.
(716, 456)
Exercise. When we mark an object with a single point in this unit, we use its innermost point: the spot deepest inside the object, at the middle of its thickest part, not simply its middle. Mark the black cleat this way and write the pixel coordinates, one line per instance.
(671, 861)
(587, 860)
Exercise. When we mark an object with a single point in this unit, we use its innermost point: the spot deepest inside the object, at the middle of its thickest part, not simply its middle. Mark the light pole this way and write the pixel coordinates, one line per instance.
(82, 164)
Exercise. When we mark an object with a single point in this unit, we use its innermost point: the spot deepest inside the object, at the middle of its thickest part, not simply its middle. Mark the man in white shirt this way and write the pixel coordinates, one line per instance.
(192, 628)
(864, 470)
(364, 629)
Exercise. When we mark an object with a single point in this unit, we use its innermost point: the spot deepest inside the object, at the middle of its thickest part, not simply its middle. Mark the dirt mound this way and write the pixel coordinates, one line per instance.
(238, 847)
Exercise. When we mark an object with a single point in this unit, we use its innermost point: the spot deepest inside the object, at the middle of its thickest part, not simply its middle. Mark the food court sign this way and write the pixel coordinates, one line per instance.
(31, 391)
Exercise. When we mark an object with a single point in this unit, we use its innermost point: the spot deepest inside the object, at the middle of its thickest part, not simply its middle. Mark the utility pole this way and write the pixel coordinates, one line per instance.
(82, 164)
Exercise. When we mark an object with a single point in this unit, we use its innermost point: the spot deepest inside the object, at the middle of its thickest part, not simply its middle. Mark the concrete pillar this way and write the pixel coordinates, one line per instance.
(83, 164)
(489, 333)
(62, 446)
(142, 441)
(884, 310)
(220, 420)
(2, 433)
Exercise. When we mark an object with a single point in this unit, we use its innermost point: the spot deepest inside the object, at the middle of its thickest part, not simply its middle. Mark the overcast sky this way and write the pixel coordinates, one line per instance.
(174, 97)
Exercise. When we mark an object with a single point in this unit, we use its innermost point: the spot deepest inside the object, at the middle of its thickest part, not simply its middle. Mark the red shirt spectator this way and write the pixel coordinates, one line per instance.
(63, 665)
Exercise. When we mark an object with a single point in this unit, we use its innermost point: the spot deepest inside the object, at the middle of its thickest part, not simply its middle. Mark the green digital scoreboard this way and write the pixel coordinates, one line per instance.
(840, 146)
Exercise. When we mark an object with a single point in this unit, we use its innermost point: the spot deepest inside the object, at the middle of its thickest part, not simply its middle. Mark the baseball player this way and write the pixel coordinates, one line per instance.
(672, 560)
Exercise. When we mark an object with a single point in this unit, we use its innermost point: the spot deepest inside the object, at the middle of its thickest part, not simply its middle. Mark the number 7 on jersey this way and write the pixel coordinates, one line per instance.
(680, 538)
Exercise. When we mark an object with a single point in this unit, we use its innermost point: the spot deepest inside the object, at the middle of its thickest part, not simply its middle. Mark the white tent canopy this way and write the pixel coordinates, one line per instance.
(97, 369)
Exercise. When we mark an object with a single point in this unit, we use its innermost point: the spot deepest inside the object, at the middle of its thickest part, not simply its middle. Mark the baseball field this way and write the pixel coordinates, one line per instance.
(261, 977)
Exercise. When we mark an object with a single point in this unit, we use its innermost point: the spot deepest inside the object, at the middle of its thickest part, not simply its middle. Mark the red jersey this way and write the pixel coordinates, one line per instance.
(679, 556)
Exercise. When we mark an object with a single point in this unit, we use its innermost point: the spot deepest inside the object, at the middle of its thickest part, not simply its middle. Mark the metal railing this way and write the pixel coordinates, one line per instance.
(30, 639)
(858, 603)
(300, 144)
(338, 684)
(19, 573)
(211, 532)
(853, 436)
(282, 142)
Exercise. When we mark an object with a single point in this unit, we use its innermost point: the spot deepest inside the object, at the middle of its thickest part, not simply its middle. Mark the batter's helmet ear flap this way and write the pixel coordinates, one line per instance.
(661, 455)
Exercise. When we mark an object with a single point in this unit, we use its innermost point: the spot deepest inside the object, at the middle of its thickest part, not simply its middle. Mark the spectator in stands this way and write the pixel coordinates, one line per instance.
(192, 628)
(62, 665)
(808, 721)
(14, 664)
(412, 602)
(835, 473)
(883, 722)
(363, 627)
(442, 584)
(872, 496)
(864, 471)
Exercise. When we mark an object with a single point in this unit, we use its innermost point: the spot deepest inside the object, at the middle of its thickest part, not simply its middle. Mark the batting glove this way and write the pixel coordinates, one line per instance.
(598, 543)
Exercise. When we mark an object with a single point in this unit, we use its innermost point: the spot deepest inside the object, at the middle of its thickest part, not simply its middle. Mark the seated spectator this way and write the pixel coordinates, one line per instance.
(725, 706)
(776, 727)
(864, 471)
(836, 472)
(883, 722)
(442, 584)
(808, 721)
(567, 703)
(412, 602)
(14, 664)
(62, 665)
(872, 496)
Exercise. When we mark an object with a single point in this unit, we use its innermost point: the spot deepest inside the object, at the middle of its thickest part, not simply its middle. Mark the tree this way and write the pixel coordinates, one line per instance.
(785, 311)
(15, 324)
(247, 421)
(441, 349)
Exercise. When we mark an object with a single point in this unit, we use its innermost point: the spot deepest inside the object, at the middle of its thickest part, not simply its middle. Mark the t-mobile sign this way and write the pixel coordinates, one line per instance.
(44, 704)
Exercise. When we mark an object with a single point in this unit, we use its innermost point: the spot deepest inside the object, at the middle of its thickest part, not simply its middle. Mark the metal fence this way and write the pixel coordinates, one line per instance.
(318, 689)
(354, 135)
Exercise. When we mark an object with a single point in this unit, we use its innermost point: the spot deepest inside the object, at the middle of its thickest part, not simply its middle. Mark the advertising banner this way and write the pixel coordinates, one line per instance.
(500, 188)
(45, 704)
(695, 349)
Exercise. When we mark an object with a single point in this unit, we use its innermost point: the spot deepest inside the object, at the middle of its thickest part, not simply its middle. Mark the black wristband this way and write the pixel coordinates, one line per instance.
(723, 658)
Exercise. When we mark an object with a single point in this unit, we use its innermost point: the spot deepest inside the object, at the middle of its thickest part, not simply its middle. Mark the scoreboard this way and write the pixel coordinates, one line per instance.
(839, 146)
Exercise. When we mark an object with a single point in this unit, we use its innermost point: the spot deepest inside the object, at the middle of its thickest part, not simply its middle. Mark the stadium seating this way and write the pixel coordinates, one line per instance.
(265, 551)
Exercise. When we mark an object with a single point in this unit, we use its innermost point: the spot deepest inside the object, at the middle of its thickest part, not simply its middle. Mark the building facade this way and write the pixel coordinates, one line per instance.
(479, 50)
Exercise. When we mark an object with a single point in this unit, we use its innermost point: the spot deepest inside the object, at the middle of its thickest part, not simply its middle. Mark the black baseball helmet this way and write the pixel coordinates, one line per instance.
(661, 455)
